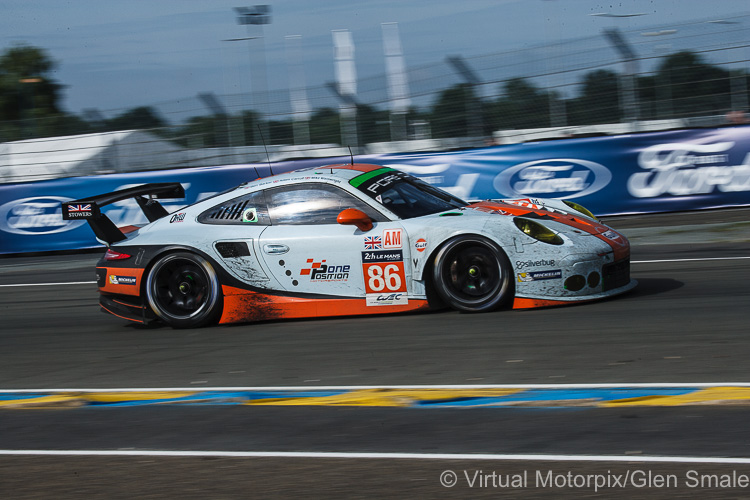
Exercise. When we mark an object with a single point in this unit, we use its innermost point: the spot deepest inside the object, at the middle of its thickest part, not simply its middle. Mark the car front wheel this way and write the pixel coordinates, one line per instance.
(472, 274)
(183, 290)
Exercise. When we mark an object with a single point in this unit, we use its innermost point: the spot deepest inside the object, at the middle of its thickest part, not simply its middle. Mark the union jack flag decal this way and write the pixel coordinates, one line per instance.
(79, 208)
(373, 243)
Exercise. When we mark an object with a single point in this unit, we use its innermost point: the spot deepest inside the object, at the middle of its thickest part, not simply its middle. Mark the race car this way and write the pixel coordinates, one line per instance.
(348, 239)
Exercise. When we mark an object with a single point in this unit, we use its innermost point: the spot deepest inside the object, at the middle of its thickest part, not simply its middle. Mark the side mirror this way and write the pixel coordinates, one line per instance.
(354, 217)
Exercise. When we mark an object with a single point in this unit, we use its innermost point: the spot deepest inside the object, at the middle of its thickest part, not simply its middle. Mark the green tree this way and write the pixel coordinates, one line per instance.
(599, 100)
(374, 124)
(28, 94)
(282, 131)
(521, 106)
(450, 112)
(325, 127)
(685, 85)
(142, 117)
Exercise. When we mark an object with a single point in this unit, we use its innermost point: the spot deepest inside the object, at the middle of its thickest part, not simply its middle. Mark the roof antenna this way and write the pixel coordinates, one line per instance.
(351, 156)
(263, 139)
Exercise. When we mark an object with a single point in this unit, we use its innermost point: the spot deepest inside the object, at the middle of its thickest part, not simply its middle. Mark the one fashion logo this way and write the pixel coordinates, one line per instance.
(681, 169)
(559, 178)
(35, 216)
(320, 271)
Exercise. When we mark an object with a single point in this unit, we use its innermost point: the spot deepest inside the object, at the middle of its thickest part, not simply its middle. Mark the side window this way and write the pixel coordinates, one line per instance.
(313, 204)
(249, 209)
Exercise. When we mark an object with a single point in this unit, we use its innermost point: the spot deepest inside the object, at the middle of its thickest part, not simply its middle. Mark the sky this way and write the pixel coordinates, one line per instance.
(118, 55)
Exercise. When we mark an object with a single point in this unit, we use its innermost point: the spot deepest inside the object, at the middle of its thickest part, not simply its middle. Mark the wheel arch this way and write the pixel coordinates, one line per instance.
(174, 249)
(428, 273)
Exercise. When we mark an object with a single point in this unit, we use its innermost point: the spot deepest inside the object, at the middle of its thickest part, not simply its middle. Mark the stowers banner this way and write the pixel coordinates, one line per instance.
(637, 173)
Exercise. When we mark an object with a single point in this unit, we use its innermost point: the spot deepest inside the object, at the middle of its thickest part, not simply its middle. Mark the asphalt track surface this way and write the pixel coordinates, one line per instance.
(686, 322)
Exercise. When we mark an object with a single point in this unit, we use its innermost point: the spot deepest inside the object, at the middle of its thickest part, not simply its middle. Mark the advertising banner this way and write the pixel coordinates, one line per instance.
(638, 173)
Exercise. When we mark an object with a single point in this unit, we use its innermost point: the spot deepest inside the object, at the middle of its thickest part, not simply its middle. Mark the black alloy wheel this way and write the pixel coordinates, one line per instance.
(183, 290)
(472, 274)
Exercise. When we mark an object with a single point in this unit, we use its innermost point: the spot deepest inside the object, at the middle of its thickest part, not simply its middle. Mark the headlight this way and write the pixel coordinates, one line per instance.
(585, 211)
(537, 231)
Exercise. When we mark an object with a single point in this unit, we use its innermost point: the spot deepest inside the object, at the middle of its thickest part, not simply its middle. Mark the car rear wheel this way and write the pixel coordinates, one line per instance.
(472, 274)
(184, 290)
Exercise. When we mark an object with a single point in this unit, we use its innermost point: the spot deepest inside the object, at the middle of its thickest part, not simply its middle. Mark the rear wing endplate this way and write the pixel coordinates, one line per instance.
(89, 208)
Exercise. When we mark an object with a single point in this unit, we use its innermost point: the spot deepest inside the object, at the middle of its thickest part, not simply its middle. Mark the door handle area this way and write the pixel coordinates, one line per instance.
(275, 249)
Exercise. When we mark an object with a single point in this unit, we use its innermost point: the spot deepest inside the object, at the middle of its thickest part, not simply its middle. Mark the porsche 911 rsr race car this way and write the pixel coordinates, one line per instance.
(346, 240)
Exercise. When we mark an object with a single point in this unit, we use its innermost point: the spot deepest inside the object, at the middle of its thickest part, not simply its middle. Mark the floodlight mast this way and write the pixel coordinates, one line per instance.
(630, 60)
(257, 15)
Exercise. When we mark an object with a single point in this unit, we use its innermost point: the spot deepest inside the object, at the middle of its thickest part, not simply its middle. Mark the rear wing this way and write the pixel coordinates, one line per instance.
(90, 208)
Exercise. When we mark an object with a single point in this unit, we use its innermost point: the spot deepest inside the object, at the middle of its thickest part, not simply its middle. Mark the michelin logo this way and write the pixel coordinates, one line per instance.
(122, 280)
(539, 276)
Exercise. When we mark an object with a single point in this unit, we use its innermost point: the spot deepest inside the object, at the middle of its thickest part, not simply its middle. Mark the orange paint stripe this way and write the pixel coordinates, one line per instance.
(621, 251)
(244, 305)
(521, 303)
(128, 305)
(119, 316)
(359, 167)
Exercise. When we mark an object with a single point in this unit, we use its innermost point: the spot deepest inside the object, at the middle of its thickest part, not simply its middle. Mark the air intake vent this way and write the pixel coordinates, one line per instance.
(228, 249)
(231, 212)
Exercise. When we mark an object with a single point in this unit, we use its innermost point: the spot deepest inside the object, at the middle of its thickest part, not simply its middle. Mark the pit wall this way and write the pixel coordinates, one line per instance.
(652, 172)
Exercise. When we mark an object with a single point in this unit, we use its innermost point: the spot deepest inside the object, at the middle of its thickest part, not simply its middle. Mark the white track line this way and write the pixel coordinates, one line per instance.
(408, 456)
(308, 388)
(686, 260)
(52, 284)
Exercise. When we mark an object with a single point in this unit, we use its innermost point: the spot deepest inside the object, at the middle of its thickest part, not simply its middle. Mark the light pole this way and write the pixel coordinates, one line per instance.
(346, 85)
(257, 15)
(297, 90)
(558, 116)
(738, 80)
(629, 95)
(629, 92)
(398, 85)
(473, 108)
(663, 91)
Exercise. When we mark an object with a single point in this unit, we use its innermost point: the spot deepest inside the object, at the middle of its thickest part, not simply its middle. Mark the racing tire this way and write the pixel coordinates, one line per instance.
(472, 274)
(183, 290)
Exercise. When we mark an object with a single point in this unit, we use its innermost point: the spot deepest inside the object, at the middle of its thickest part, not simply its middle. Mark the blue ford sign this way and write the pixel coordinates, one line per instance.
(554, 178)
(35, 216)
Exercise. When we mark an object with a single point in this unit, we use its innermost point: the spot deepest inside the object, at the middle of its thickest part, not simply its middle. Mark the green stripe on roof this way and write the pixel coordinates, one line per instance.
(357, 181)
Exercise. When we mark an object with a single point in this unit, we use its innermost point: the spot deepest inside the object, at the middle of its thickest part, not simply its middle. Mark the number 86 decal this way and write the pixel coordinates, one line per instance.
(385, 277)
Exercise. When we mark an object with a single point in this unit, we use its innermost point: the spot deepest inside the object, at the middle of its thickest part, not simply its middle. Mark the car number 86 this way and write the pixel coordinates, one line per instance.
(382, 277)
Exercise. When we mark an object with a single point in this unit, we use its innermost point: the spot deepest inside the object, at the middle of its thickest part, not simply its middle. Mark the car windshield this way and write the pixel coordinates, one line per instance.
(404, 195)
